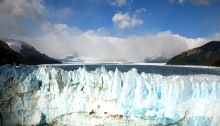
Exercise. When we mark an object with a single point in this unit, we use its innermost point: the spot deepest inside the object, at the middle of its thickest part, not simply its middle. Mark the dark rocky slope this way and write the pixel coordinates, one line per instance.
(32, 55)
(28, 55)
(9, 56)
(208, 54)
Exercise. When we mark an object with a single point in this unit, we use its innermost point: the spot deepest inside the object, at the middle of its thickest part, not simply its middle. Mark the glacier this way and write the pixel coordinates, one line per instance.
(47, 95)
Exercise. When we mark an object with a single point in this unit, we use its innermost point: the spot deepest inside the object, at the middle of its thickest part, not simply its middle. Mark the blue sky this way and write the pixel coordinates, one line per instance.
(187, 19)
(113, 30)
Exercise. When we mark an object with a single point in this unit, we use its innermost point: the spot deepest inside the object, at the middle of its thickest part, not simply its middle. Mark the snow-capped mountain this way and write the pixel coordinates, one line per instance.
(17, 45)
(160, 58)
(9, 56)
(28, 52)
(156, 60)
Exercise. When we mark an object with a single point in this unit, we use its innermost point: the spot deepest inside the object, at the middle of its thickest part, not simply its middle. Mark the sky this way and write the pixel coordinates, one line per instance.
(113, 30)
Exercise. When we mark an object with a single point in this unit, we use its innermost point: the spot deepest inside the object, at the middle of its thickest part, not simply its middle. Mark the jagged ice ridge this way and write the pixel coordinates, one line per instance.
(48, 95)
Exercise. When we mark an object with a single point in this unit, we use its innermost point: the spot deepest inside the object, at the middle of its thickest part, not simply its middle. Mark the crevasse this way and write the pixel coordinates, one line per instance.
(49, 95)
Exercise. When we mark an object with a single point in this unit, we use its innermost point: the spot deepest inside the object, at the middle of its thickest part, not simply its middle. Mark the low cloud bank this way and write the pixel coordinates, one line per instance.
(59, 40)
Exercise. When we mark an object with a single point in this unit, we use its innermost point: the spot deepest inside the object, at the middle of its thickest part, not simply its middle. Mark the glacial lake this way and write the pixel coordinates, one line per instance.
(165, 70)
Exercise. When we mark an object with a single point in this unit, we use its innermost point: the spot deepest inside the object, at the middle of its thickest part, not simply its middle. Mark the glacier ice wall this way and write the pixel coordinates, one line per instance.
(49, 95)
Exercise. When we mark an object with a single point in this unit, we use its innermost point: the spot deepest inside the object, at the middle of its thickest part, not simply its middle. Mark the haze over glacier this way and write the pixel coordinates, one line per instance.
(34, 95)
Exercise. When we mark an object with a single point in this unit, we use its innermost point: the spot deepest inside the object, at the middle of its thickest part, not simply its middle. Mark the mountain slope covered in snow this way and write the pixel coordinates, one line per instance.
(28, 53)
(9, 56)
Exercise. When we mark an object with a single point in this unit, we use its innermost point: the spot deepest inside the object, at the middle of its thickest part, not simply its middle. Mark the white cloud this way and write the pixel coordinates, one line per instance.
(117, 2)
(196, 2)
(121, 2)
(141, 10)
(61, 40)
(217, 36)
(12, 12)
(102, 32)
(181, 1)
(125, 21)
(202, 2)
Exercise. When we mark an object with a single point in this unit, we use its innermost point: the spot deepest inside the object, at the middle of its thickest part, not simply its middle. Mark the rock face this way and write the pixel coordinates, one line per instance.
(32, 55)
(48, 95)
(9, 56)
(208, 54)
(21, 52)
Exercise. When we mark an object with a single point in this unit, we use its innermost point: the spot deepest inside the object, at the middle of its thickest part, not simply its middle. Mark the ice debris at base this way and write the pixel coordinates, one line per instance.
(49, 95)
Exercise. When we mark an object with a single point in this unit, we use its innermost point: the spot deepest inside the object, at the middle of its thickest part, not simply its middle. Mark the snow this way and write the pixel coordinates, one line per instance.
(49, 95)
(15, 44)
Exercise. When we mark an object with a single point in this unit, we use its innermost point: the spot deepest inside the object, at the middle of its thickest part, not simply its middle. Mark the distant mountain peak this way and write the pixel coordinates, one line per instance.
(159, 58)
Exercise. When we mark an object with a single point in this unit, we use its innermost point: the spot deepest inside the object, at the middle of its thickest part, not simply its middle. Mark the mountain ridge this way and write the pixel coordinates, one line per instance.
(207, 54)
(19, 52)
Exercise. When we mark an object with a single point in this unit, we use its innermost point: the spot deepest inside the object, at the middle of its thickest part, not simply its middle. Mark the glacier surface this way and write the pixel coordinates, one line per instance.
(48, 95)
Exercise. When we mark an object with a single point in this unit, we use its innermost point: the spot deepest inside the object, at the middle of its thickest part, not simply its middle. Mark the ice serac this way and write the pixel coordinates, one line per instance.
(48, 95)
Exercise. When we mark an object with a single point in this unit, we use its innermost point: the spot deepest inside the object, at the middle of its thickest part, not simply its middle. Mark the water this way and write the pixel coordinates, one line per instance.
(164, 70)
